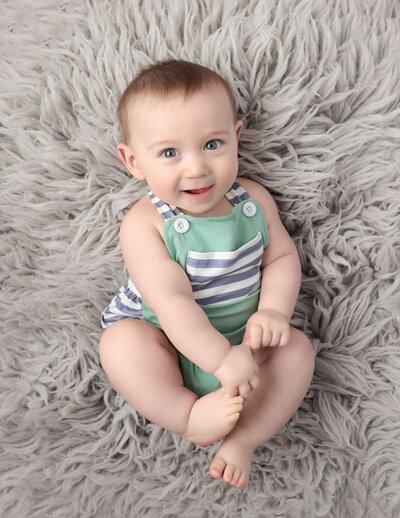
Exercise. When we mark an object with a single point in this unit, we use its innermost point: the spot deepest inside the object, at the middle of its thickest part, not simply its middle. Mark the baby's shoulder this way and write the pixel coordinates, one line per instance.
(141, 210)
(256, 191)
(260, 194)
(141, 217)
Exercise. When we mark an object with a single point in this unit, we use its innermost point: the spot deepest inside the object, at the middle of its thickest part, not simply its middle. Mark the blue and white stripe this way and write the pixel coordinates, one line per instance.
(127, 303)
(166, 211)
(221, 277)
(237, 194)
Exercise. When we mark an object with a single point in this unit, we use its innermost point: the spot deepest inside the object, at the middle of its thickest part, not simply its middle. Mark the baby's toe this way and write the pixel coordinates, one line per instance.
(236, 476)
(242, 481)
(228, 473)
(217, 467)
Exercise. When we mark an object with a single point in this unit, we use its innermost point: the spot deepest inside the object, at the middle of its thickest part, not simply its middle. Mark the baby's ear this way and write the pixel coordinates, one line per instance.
(238, 128)
(129, 160)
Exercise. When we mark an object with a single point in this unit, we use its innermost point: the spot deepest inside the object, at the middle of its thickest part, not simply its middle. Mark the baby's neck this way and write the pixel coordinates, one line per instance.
(223, 208)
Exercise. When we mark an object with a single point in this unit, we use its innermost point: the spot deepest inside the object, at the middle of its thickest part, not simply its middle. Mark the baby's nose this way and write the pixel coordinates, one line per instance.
(196, 167)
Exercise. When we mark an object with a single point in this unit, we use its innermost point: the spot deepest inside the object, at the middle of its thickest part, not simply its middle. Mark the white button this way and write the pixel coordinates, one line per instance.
(249, 209)
(181, 225)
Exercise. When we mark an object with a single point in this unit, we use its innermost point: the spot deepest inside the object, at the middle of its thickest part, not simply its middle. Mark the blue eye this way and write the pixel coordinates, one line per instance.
(169, 153)
(213, 144)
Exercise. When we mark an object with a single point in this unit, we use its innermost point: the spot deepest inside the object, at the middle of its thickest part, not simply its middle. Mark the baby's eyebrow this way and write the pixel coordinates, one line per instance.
(217, 132)
(161, 143)
(170, 143)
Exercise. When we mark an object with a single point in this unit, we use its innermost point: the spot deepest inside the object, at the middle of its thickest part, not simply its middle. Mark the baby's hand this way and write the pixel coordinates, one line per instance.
(267, 328)
(238, 373)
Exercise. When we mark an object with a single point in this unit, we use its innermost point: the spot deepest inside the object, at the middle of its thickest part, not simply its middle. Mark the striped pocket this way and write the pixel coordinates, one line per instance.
(221, 277)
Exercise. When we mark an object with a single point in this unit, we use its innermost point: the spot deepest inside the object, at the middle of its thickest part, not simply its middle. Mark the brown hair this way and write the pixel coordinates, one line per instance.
(165, 78)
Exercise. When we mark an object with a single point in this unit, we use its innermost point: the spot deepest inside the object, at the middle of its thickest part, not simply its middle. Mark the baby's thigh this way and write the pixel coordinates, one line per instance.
(133, 341)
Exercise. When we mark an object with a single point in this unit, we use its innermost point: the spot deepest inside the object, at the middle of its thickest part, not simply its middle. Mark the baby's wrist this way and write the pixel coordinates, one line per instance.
(219, 353)
(275, 311)
(222, 359)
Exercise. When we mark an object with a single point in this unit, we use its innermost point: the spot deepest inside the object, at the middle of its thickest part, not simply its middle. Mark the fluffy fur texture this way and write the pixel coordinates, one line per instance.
(317, 85)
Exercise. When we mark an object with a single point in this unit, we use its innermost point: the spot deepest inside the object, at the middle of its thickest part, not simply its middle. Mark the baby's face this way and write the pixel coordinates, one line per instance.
(186, 150)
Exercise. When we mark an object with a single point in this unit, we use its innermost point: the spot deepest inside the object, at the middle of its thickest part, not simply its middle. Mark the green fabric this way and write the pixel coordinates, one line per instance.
(222, 234)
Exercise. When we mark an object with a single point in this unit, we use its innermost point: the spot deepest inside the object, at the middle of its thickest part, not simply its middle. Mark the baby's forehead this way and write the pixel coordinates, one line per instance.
(150, 99)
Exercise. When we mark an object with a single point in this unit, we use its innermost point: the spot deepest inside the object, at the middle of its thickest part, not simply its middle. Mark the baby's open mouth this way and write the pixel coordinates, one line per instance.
(199, 193)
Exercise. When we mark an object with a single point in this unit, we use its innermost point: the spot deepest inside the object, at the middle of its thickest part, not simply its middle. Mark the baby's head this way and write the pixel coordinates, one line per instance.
(180, 134)
(164, 80)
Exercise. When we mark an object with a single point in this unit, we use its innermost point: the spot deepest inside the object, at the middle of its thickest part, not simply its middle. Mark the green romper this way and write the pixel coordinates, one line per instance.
(222, 258)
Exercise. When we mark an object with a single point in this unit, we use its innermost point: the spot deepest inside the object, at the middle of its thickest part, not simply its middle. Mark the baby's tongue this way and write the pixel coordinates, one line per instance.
(198, 191)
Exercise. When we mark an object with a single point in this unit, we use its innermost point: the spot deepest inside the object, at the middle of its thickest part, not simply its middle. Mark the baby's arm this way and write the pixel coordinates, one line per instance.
(167, 290)
(281, 277)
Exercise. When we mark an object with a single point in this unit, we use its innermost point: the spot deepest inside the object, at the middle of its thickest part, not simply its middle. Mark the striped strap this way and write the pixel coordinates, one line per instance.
(166, 211)
(235, 195)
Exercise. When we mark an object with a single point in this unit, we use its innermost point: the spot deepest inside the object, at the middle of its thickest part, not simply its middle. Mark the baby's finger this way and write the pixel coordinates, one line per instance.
(231, 390)
(267, 337)
(276, 339)
(255, 336)
(244, 389)
(285, 338)
(254, 382)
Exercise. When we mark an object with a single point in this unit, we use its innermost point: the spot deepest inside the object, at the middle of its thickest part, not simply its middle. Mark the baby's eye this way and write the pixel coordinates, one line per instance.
(169, 152)
(213, 144)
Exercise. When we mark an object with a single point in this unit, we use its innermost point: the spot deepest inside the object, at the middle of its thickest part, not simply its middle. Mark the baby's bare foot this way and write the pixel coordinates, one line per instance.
(232, 462)
(213, 416)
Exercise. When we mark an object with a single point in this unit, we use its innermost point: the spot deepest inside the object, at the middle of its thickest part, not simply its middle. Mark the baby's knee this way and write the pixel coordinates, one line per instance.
(132, 341)
(112, 344)
(302, 352)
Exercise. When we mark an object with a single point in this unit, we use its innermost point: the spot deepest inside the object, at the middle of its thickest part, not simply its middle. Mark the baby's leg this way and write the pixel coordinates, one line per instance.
(285, 375)
(143, 367)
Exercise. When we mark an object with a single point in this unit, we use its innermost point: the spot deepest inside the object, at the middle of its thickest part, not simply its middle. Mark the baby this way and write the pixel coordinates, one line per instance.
(198, 339)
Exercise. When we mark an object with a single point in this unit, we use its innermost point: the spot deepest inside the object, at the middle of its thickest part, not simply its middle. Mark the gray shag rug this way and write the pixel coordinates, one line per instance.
(317, 85)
